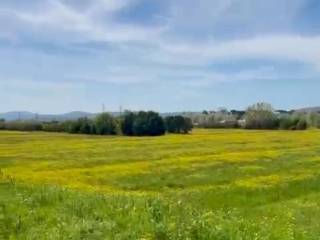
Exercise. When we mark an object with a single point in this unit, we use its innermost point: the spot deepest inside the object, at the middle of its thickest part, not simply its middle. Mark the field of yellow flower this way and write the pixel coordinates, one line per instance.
(211, 184)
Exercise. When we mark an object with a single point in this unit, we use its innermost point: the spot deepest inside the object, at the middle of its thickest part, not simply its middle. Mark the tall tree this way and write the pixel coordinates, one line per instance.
(260, 116)
(142, 124)
(178, 124)
(105, 124)
(127, 123)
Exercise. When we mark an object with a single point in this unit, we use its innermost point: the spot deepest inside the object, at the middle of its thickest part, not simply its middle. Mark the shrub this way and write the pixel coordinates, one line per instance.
(73, 127)
(313, 120)
(82, 125)
(155, 124)
(187, 125)
(260, 116)
(105, 124)
(142, 124)
(2, 124)
(23, 126)
(294, 122)
(178, 124)
(287, 123)
(86, 126)
(127, 123)
(53, 126)
(148, 124)
(302, 124)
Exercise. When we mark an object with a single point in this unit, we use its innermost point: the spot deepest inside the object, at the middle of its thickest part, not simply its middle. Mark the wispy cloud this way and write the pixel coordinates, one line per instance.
(87, 42)
(284, 47)
(60, 21)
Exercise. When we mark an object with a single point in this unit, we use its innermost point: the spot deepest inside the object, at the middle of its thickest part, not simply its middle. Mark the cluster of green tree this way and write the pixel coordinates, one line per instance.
(130, 124)
(262, 116)
(257, 116)
(21, 125)
(293, 122)
(178, 124)
(103, 124)
(142, 124)
(313, 119)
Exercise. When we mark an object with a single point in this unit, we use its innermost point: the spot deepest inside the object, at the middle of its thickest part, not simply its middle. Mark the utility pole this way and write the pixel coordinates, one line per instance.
(103, 108)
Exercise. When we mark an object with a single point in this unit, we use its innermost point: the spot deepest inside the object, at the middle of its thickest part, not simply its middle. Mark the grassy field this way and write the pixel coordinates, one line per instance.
(211, 184)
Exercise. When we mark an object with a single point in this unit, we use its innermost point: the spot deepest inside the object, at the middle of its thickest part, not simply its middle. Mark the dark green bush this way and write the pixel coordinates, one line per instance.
(302, 124)
(53, 126)
(178, 124)
(142, 124)
(2, 124)
(105, 124)
(127, 123)
(292, 123)
(23, 126)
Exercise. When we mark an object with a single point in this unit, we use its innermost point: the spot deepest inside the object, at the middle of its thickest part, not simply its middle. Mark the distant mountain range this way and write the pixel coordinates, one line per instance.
(308, 110)
(23, 115)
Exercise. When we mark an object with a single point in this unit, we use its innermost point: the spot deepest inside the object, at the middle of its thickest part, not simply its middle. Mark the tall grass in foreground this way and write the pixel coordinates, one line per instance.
(50, 212)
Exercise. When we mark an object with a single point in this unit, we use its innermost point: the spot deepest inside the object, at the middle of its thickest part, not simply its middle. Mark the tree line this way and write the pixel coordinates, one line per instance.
(257, 116)
(262, 116)
(130, 124)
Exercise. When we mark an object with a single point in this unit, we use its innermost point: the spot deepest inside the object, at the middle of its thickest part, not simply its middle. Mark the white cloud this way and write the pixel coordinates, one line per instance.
(108, 5)
(160, 50)
(64, 22)
(56, 20)
(223, 19)
(277, 47)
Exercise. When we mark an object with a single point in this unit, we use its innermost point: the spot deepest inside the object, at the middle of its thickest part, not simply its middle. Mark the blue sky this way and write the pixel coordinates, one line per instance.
(166, 55)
